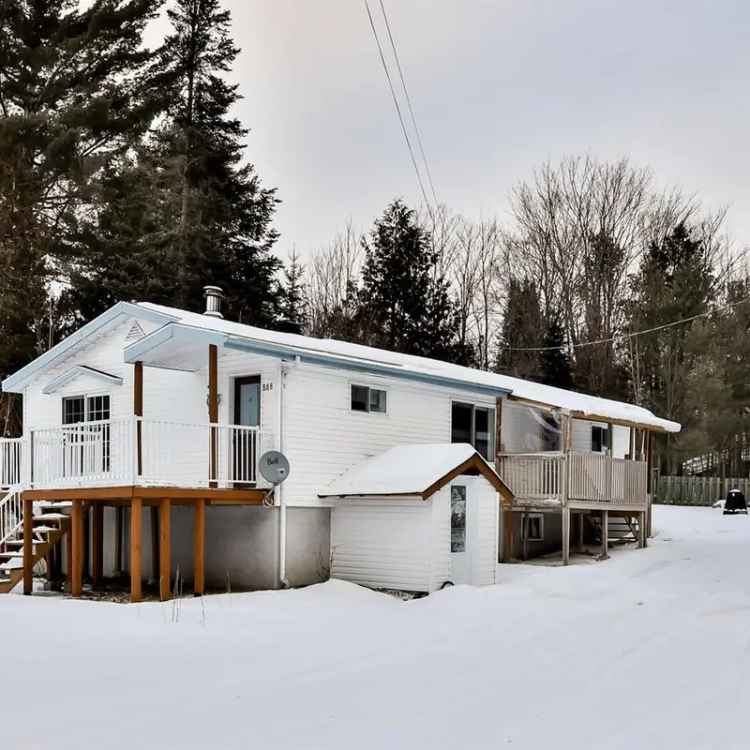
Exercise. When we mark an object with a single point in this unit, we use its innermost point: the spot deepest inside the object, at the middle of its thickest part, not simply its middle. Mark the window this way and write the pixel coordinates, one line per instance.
(85, 409)
(87, 450)
(474, 425)
(599, 439)
(458, 518)
(368, 399)
(535, 527)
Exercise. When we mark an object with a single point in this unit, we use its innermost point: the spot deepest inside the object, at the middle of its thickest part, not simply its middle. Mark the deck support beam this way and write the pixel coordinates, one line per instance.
(76, 552)
(136, 506)
(605, 535)
(199, 548)
(97, 565)
(643, 529)
(580, 532)
(28, 548)
(155, 545)
(165, 560)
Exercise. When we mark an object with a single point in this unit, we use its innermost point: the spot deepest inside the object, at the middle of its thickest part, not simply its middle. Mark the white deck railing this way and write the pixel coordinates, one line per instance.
(10, 461)
(11, 513)
(143, 451)
(591, 478)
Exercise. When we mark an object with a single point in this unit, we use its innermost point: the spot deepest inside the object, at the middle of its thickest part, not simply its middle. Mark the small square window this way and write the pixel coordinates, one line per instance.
(368, 399)
(360, 398)
(535, 527)
(377, 400)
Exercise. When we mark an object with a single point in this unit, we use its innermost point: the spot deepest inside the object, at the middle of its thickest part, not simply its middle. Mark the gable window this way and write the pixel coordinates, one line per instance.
(364, 398)
(599, 439)
(85, 409)
(474, 425)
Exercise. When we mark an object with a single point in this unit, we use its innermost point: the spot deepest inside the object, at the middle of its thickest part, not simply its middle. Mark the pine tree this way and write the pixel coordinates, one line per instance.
(555, 365)
(293, 302)
(204, 216)
(522, 323)
(72, 98)
(404, 303)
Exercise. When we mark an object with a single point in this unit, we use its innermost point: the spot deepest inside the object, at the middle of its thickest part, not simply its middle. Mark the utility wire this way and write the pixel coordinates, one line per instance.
(623, 335)
(408, 102)
(398, 111)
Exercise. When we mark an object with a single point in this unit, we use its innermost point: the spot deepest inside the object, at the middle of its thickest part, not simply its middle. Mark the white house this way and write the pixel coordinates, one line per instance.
(153, 406)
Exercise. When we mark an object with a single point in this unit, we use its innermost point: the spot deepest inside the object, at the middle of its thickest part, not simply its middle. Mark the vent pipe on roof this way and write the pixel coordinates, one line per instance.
(214, 295)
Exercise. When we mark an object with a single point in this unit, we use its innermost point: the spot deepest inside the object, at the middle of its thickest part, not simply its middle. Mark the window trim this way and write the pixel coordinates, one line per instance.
(540, 518)
(369, 388)
(492, 448)
(85, 396)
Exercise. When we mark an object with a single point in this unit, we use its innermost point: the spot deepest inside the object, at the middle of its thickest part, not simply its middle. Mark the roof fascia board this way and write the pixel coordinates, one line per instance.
(74, 372)
(171, 331)
(340, 363)
(15, 383)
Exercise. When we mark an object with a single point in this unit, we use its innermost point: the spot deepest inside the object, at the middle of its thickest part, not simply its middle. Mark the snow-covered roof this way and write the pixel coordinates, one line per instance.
(411, 470)
(241, 336)
(184, 334)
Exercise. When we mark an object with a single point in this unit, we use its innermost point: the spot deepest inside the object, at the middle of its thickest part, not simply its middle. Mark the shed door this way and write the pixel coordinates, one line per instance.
(460, 536)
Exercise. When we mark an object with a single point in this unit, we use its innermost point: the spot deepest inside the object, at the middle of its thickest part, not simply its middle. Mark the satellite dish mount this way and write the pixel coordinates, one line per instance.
(274, 468)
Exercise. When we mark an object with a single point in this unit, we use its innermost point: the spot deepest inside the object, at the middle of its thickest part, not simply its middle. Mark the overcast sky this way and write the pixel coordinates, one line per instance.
(498, 87)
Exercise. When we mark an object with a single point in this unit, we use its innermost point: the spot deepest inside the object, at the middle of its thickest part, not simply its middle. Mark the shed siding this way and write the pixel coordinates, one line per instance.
(383, 544)
(487, 508)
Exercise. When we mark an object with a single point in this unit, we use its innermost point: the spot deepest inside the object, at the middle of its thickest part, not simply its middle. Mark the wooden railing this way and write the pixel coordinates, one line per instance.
(139, 451)
(533, 476)
(575, 477)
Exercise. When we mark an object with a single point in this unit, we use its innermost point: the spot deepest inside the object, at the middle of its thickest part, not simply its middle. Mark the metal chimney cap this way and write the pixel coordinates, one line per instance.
(213, 295)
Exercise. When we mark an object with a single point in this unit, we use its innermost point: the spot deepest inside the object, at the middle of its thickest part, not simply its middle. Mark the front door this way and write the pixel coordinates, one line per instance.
(245, 442)
(460, 551)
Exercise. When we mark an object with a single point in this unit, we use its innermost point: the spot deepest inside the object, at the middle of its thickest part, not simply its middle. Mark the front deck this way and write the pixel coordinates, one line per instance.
(131, 463)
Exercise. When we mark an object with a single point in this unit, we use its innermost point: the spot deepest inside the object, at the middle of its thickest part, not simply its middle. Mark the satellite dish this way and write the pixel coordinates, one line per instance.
(274, 467)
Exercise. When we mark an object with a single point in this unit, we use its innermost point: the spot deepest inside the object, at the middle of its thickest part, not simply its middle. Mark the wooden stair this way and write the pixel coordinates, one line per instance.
(50, 525)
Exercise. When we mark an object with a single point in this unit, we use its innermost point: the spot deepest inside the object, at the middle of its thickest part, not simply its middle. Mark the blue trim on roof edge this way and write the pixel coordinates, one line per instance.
(279, 350)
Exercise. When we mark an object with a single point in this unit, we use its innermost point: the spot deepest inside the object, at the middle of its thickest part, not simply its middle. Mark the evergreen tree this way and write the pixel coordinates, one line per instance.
(522, 325)
(293, 302)
(72, 97)
(404, 301)
(555, 363)
(203, 216)
(675, 281)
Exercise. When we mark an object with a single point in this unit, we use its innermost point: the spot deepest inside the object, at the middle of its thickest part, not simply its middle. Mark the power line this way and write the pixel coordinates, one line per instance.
(633, 335)
(398, 110)
(408, 102)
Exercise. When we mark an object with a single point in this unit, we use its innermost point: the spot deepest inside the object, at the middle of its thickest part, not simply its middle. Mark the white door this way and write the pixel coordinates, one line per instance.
(460, 536)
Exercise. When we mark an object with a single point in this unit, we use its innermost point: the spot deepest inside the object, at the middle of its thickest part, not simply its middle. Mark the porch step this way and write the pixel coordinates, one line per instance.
(52, 504)
(9, 555)
(14, 564)
(45, 529)
(51, 517)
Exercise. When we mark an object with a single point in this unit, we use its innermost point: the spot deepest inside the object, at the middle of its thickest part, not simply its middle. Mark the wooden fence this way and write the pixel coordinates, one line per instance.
(696, 490)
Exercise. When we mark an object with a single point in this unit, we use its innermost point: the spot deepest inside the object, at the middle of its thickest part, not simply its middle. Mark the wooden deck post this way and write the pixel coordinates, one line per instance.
(165, 560)
(76, 553)
(605, 535)
(508, 535)
(97, 571)
(119, 514)
(69, 556)
(565, 535)
(136, 506)
(155, 546)
(199, 551)
(28, 547)
(643, 529)
(138, 412)
(213, 410)
(580, 532)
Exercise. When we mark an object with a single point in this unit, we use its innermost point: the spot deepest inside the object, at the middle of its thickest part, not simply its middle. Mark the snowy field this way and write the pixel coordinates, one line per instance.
(648, 650)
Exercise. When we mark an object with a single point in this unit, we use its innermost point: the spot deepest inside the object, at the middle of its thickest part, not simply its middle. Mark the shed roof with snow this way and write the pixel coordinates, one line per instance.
(407, 470)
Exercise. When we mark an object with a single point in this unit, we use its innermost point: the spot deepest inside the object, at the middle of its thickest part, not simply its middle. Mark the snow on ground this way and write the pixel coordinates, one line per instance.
(648, 650)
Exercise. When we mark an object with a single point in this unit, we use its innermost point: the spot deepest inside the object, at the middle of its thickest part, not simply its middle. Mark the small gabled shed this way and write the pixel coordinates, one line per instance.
(415, 518)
